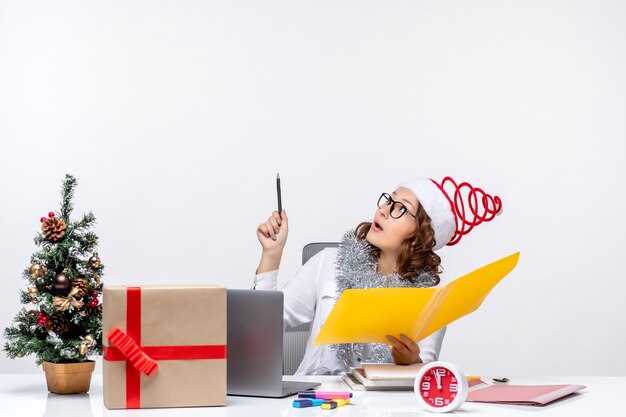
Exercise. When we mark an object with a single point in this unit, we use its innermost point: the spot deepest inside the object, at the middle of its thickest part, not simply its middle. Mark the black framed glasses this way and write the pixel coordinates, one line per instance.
(396, 210)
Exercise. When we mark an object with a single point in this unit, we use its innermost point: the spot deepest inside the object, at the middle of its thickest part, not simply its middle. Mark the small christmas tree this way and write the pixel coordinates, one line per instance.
(62, 322)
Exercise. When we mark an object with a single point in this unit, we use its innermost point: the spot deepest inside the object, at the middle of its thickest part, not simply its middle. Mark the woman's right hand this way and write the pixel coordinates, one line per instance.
(273, 233)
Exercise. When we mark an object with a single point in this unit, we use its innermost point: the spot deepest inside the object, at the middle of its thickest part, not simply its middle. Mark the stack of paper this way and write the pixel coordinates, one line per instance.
(382, 376)
(389, 371)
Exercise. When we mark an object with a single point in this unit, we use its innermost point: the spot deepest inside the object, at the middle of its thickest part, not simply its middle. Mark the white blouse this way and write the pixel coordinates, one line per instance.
(310, 297)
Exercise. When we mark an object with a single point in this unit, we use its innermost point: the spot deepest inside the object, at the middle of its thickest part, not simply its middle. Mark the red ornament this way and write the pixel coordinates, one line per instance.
(39, 314)
(93, 303)
(94, 294)
(43, 219)
(51, 214)
(42, 320)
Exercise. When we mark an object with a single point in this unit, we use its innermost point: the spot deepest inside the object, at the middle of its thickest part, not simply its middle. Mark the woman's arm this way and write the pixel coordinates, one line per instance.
(301, 291)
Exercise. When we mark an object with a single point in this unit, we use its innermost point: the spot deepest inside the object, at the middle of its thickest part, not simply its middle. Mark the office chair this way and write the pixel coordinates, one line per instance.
(295, 338)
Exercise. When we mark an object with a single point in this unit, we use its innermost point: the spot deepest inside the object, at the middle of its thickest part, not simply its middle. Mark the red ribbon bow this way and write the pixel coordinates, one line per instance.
(136, 356)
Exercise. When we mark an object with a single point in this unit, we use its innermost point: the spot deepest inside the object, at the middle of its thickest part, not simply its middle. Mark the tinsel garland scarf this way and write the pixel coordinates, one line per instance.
(355, 267)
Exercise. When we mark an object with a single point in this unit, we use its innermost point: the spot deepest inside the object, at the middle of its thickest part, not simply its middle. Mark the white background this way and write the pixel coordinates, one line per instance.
(176, 116)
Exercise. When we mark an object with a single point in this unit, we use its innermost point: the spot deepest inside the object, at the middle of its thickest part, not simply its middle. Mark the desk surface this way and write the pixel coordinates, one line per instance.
(26, 395)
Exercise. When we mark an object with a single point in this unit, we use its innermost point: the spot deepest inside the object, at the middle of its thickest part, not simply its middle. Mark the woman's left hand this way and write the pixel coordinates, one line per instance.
(404, 351)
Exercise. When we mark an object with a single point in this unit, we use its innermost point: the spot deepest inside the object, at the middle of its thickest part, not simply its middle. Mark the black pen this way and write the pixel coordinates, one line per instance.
(280, 203)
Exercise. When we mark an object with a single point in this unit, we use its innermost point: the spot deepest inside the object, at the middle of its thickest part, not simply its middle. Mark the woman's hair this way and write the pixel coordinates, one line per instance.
(416, 253)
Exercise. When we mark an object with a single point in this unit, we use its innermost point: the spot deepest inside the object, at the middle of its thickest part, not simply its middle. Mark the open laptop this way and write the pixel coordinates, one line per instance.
(255, 345)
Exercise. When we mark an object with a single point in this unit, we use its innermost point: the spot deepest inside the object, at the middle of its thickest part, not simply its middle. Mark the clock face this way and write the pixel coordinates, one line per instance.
(438, 387)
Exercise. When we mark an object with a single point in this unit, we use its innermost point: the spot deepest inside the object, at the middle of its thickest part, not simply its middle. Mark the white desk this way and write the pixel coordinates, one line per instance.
(26, 395)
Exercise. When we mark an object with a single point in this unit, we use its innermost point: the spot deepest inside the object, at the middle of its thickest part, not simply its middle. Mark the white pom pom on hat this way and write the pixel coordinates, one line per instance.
(448, 214)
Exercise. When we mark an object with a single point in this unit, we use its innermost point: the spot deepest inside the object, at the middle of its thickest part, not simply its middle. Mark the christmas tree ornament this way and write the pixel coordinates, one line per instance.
(81, 286)
(53, 229)
(33, 292)
(43, 219)
(83, 349)
(94, 261)
(57, 324)
(61, 282)
(36, 271)
(62, 303)
(93, 302)
(89, 340)
(51, 214)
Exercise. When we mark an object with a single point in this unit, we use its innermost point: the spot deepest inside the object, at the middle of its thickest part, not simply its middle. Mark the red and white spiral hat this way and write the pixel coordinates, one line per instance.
(453, 213)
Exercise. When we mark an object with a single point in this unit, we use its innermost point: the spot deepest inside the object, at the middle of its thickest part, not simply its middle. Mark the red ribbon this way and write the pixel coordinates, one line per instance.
(127, 347)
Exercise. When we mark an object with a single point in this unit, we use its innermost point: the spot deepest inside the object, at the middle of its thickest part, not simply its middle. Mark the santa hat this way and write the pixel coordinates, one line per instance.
(448, 214)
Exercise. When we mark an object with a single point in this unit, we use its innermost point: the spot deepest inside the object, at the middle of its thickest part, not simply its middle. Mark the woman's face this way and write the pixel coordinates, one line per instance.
(388, 233)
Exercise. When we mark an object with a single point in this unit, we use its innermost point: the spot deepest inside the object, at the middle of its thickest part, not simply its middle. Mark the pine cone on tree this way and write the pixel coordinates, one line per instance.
(53, 228)
(93, 311)
(57, 324)
(82, 286)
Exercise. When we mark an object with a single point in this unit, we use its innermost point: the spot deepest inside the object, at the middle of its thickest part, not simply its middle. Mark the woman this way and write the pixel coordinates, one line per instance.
(396, 249)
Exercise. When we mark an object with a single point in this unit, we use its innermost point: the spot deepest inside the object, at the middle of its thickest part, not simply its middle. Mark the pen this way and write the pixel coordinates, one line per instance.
(280, 202)
(330, 404)
(307, 402)
(326, 395)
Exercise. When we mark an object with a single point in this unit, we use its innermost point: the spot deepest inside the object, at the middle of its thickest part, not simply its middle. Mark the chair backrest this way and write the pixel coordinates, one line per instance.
(310, 250)
(295, 338)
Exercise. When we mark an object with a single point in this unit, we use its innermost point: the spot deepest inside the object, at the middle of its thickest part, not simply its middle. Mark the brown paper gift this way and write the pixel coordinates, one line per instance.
(164, 346)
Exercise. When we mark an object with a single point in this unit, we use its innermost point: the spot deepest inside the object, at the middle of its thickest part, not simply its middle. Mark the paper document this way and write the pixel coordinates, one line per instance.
(386, 371)
(369, 315)
(522, 394)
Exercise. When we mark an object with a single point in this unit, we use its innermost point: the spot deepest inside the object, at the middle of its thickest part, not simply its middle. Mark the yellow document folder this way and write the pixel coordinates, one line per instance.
(369, 315)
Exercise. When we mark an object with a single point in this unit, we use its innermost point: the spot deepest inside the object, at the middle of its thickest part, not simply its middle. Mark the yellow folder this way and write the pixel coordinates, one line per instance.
(369, 315)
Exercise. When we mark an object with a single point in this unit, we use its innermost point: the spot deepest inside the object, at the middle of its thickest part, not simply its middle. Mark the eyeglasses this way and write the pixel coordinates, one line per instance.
(397, 209)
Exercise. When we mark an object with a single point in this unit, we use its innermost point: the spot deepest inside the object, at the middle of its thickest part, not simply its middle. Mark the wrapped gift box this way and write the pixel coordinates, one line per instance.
(164, 346)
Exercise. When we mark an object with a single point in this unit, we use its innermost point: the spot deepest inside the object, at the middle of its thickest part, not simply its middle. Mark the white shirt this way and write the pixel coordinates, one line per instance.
(310, 297)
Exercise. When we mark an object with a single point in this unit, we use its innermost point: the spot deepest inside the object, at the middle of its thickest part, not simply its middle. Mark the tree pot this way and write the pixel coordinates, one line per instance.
(68, 378)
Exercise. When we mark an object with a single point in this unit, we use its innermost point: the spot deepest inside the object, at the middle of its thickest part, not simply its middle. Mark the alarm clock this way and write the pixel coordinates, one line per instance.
(440, 387)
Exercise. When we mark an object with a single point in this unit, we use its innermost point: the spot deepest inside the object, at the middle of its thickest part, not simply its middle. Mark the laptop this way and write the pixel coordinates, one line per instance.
(255, 345)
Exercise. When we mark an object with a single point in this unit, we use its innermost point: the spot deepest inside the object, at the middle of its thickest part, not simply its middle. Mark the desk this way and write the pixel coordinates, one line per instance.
(26, 395)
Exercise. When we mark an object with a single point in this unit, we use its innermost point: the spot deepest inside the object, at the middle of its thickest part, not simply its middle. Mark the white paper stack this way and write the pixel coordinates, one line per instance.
(382, 376)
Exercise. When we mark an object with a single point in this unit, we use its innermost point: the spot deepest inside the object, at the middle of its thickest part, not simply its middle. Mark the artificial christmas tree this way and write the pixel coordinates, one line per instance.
(62, 321)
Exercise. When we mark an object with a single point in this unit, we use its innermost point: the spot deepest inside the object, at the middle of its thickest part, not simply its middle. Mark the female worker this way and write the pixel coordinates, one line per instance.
(395, 249)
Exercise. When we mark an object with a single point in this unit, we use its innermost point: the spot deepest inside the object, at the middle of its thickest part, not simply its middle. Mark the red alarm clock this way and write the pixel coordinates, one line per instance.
(440, 387)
